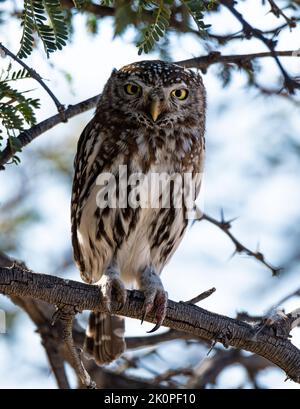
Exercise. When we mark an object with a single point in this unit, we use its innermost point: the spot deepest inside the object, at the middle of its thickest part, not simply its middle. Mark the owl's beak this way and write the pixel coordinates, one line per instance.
(155, 109)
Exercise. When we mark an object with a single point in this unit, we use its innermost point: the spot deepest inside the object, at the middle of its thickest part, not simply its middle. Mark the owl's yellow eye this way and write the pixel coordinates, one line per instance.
(132, 89)
(180, 93)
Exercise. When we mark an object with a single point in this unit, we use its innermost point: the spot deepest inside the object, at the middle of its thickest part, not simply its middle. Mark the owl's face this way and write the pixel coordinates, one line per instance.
(155, 93)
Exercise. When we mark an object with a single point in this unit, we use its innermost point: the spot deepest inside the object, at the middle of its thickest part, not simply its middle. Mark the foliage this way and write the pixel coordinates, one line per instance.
(152, 17)
(52, 21)
(157, 29)
(34, 19)
(196, 9)
(48, 21)
(54, 161)
(15, 109)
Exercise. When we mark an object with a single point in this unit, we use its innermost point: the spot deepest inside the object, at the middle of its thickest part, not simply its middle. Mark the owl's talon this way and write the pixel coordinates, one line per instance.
(157, 326)
(156, 301)
(147, 308)
(112, 284)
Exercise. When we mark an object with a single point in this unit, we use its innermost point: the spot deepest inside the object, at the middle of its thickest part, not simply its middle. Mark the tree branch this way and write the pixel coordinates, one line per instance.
(225, 226)
(209, 369)
(290, 84)
(38, 311)
(19, 281)
(29, 135)
(60, 107)
(277, 11)
(216, 57)
(200, 62)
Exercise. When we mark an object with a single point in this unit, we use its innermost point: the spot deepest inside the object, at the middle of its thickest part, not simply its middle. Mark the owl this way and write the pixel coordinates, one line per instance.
(149, 120)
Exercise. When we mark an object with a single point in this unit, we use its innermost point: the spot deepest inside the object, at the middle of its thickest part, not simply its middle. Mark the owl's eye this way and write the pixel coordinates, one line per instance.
(180, 93)
(132, 89)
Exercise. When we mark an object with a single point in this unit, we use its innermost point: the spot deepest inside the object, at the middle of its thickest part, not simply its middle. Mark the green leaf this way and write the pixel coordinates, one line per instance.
(45, 18)
(196, 9)
(15, 109)
(154, 31)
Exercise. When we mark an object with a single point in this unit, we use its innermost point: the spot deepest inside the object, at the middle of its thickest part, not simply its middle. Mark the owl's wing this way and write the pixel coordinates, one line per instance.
(84, 173)
(198, 170)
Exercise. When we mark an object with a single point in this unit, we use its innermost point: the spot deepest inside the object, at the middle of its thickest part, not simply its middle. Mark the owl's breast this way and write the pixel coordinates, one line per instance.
(168, 150)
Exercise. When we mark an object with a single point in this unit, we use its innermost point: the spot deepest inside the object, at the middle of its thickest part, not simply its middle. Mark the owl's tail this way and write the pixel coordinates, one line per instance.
(105, 337)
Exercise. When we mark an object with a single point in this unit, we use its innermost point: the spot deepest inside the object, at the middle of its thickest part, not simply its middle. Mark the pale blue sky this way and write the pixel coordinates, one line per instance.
(237, 139)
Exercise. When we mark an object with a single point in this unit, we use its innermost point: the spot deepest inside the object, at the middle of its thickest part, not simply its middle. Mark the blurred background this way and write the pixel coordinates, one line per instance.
(252, 172)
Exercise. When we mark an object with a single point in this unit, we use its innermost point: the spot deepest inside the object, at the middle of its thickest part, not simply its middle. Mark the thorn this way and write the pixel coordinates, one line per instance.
(200, 297)
(277, 271)
(239, 248)
(222, 216)
(233, 254)
(213, 344)
(232, 220)
(192, 224)
(257, 248)
(260, 256)
(226, 224)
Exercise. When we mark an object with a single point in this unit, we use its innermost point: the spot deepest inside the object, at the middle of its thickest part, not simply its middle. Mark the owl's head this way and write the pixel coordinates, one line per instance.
(155, 93)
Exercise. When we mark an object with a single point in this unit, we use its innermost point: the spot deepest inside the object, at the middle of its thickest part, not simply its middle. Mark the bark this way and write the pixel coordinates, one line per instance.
(21, 282)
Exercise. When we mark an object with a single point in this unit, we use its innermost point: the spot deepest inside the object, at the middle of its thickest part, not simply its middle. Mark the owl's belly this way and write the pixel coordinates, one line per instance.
(152, 243)
(148, 237)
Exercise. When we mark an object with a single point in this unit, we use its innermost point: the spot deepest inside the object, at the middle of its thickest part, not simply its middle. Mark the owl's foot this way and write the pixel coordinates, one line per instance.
(156, 301)
(111, 284)
(156, 298)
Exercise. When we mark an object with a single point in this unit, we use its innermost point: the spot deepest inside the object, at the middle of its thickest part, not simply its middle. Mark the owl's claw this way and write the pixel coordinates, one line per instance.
(157, 301)
(112, 284)
(155, 328)
(144, 317)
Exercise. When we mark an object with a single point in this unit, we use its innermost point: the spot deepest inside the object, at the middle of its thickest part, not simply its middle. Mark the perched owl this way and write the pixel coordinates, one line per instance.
(149, 120)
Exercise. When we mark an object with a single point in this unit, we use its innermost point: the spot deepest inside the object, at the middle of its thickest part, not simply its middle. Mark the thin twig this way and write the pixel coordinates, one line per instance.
(240, 35)
(201, 296)
(225, 226)
(170, 373)
(29, 135)
(215, 57)
(200, 62)
(282, 301)
(277, 11)
(60, 107)
(250, 31)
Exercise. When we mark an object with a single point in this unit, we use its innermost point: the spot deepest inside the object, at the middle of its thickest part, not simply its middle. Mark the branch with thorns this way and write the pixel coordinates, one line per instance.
(36, 76)
(29, 135)
(72, 297)
(290, 84)
(278, 12)
(225, 226)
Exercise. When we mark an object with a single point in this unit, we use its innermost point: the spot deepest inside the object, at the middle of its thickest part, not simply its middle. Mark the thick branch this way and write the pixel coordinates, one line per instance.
(20, 282)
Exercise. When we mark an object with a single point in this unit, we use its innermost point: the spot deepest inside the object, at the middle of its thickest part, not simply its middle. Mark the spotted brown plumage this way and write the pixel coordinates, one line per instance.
(150, 119)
